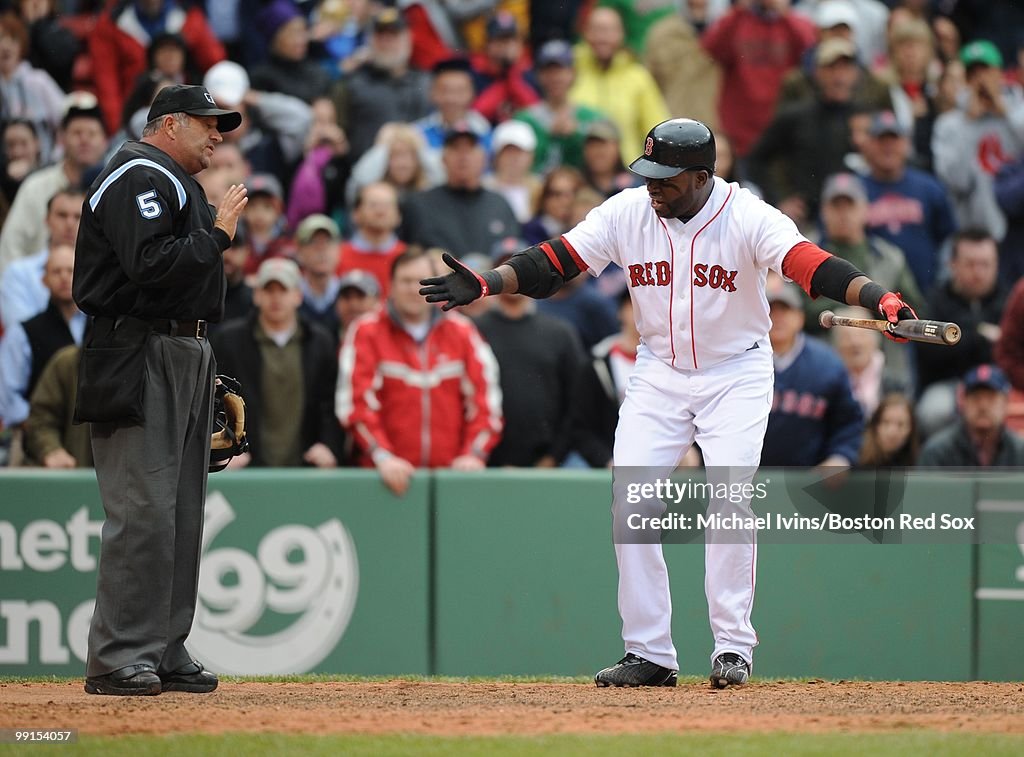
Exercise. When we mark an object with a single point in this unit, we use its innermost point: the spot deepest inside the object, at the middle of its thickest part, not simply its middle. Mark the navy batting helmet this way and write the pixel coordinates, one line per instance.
(674, 146)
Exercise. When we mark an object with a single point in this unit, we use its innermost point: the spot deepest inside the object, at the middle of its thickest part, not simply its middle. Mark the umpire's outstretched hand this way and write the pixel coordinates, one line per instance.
(458, 288)
(230, 209)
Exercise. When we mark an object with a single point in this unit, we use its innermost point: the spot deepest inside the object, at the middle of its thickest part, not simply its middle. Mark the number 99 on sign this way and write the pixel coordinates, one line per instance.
(277, 580)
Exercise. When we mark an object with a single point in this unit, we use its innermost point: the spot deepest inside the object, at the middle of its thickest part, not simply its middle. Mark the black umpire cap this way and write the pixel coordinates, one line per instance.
(674, 146)
(195, 100)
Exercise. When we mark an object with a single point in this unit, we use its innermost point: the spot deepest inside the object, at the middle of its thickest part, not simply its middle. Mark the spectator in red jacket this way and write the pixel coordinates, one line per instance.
(417, 387)
(118, 46)
(756, 44)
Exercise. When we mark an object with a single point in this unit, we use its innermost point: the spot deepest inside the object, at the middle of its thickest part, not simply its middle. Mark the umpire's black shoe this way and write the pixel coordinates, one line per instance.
(191, 678)
(729, 669)
(635, 671)
(132, 681)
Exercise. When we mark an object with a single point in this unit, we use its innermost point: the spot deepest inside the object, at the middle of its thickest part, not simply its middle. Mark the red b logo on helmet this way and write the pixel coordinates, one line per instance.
(649, 146)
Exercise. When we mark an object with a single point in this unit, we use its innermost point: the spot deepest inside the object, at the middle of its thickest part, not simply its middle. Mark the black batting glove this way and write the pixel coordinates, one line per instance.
(460, 287)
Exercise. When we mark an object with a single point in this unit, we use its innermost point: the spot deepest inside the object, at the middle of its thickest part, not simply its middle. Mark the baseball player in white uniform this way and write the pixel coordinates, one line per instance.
(696, 251)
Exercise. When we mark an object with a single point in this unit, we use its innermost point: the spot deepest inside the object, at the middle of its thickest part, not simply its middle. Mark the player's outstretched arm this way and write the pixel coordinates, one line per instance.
(819, 273)
(537, 272)
(464, 285)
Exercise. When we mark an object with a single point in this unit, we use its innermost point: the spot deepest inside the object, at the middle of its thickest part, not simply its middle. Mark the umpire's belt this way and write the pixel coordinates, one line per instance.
(170, 327)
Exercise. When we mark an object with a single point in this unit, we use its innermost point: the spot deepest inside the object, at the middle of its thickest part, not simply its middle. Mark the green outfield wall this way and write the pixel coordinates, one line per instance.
(513, 572)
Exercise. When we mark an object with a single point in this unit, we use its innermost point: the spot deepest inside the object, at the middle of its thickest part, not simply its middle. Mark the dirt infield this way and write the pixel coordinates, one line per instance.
(479, 709)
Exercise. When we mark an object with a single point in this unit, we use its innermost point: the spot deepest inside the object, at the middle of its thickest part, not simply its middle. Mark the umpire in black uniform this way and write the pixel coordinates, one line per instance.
(148, 269)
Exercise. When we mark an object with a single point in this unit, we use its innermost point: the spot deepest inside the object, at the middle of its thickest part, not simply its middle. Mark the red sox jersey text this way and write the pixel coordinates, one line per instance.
(657, 274)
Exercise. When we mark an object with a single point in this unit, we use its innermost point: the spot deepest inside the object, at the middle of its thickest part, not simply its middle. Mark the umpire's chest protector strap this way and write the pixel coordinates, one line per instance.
(542, 269)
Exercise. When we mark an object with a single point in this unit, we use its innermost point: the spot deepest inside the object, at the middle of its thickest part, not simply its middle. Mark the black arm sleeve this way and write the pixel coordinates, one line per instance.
(543, 269)
(833, 277)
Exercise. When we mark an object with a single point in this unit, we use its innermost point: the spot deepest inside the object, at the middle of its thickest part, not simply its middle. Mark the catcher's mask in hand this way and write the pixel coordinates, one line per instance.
(228, 437)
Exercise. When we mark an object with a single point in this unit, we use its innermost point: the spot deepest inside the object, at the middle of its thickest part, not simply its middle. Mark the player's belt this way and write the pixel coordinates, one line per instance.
(170, 327)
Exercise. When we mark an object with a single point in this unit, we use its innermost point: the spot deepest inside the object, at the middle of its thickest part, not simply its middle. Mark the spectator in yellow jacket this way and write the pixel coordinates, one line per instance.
(609, 79)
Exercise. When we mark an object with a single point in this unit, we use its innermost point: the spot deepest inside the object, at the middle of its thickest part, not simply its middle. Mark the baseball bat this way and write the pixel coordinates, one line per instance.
(916, 330)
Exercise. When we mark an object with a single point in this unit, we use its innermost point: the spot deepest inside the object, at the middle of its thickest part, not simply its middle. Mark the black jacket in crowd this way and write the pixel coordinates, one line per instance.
(238, 355)
(952, 448)
(47, 333)
(461, 221)
(941, 362)
(596, 407)
(538, 360)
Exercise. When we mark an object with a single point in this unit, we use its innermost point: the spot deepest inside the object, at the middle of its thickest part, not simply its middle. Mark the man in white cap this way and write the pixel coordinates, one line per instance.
(513, 144)
(274, 125)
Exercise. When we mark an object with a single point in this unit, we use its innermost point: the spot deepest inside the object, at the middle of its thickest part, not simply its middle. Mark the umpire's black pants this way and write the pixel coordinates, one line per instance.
(152, 480)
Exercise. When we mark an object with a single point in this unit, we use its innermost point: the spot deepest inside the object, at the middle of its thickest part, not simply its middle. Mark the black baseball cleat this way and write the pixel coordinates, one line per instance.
(130, 681)
(191, 678)
(729, 669)
(635, 671)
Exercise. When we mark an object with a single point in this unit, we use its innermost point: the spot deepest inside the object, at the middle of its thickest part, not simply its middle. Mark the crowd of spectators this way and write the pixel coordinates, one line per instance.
(378, 134)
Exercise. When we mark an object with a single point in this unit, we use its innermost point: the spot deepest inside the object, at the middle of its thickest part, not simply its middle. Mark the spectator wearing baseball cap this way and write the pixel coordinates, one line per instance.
(979, 438)
(460, 216)
(844, 210)
(810, 138)
(558, 124)
(511, 176)
(973, 141)
(358, 294)
(907, 206)
(319, 252)
(288, 370)
(501, 71)
(832, 61)
(288, 68)
(374, 244)
(264, 222)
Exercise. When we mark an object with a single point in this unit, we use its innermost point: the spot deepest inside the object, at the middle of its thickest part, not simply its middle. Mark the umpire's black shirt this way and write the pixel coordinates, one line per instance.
(146, 244)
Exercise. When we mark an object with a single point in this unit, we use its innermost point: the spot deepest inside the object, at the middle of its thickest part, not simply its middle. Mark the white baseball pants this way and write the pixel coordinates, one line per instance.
(725, 409)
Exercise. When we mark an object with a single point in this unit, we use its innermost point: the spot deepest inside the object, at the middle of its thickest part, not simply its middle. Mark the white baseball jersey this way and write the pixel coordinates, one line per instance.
(698, 288)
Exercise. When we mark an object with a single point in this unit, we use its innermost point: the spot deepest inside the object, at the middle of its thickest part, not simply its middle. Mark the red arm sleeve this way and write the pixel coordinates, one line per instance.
(801, 262)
